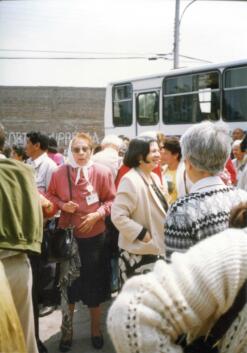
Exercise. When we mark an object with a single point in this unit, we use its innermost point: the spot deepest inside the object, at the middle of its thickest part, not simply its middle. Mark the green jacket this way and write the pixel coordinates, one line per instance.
(21, 219)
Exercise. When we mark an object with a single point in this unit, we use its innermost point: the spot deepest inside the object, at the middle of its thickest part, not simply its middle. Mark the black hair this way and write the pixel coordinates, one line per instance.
(138, 150)
(7, 151)
(20, 151)
(172, 144)
(123, 137)
(97, 149)
(52, 145)
(38, 137)
(243, 144)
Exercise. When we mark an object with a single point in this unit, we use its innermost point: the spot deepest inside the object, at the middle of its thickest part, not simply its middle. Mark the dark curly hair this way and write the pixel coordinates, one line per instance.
(238, 216)
(38, 137)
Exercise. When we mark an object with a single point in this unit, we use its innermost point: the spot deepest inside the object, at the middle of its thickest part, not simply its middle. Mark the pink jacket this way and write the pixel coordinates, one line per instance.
(56, 157)
(102, 181)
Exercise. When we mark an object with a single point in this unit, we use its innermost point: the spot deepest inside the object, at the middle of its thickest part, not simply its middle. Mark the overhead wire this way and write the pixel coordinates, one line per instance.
(92, 55)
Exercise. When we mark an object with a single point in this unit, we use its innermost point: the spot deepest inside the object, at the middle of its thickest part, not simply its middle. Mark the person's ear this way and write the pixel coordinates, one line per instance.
(37, 146)
(188, 164)
(140, 159)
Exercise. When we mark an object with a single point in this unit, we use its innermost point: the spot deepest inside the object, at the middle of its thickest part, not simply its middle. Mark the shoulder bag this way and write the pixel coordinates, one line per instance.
(57, 242)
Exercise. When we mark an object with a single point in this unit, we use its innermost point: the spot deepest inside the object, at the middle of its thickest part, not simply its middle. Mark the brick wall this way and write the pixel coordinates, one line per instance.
(58, 111)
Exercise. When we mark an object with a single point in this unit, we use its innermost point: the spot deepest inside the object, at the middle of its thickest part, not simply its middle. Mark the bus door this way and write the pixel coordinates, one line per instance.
(147, 110)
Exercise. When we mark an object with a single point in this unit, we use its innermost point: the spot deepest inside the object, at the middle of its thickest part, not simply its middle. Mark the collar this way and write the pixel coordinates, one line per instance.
(2, 156)
(84, 171)
(207, 184)
(36, 162)
(147, 180)
(242, 162)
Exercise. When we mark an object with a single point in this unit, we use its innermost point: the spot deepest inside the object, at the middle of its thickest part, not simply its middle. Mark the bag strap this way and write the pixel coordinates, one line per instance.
(157, 191)
(70, 190)
(159, 194)
(69, 181)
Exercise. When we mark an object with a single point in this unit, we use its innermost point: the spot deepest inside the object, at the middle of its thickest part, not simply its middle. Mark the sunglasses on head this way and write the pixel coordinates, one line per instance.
(79, 149)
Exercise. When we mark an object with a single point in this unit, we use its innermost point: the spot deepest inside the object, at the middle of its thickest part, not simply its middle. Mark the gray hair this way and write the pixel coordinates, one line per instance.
(236, 143)
(207, 145)
(112, 140)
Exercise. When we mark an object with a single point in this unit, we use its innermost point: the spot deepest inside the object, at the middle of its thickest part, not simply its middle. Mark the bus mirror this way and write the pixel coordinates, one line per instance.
(205, 97)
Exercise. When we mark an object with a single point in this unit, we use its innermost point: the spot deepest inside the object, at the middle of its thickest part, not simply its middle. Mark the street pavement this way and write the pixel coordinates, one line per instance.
(50, 331)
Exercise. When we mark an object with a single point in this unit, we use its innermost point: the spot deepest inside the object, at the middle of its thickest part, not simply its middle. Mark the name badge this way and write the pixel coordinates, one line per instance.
(92, 198)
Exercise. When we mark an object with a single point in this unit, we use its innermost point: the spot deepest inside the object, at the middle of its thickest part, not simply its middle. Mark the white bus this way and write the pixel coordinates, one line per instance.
(172, 101)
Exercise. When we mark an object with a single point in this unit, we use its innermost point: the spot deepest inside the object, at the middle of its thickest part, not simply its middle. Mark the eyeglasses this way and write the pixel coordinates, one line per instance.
(79, 149)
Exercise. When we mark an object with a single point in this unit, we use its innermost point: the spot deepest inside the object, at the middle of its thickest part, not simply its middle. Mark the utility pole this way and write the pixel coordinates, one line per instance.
(177, 24)
(176, 36)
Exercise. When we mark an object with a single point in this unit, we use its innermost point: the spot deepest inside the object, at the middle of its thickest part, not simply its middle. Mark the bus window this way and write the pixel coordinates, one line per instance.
(147, 107)
(235, 94)
(205, 99)
(122, 105)
(191, 98)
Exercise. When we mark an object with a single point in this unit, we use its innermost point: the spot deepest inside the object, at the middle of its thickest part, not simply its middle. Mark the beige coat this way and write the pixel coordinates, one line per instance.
(136, 206)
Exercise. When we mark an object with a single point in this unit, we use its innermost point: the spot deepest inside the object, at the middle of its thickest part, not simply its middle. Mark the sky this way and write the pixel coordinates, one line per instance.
(101, 38)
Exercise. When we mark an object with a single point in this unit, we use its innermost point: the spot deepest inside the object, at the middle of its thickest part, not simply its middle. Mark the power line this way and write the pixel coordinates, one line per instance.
(102, 58)
(72, 58)
(196, 59)
(80, 52)
(100, 55)
(82, 55)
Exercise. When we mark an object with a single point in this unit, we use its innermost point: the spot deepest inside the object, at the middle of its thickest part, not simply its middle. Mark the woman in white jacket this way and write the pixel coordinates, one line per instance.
(139, 209)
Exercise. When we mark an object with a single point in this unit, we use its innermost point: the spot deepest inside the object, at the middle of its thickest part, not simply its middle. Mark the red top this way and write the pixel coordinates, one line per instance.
(232, 171)
(56, 157)
(100, 178)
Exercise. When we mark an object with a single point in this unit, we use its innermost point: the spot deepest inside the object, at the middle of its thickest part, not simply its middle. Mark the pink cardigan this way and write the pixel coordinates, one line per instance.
(58, 193)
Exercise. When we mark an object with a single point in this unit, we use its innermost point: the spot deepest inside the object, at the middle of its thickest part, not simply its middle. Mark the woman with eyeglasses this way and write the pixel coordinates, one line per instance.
(93, 191)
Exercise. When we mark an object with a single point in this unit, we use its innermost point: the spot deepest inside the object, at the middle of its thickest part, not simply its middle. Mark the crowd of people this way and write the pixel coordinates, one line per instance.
(155, 219)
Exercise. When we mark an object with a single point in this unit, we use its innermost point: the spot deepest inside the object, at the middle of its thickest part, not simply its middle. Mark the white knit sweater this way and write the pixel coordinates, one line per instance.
(187, 296)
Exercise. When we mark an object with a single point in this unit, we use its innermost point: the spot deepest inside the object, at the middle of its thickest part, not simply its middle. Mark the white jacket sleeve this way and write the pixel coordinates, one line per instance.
(187, 296)
(124, 204)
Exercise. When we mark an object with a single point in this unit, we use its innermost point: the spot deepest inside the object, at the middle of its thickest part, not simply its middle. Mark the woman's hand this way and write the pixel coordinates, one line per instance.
(147, 237)
(70, 207)
(45, 203)
(89, 221)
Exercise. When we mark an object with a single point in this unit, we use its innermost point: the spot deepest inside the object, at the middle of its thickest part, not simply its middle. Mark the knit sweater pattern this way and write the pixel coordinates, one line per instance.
(187, 296)
(199, 215)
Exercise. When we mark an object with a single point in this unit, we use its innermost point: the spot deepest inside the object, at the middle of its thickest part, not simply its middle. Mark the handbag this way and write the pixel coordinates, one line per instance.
(57, 243)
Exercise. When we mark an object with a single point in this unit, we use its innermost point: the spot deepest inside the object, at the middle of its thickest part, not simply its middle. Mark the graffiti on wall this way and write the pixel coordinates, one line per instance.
(62, 138)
